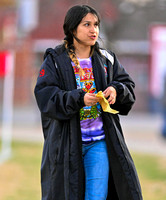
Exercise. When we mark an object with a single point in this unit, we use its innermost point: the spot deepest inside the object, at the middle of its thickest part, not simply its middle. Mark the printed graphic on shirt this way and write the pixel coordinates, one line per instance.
(90, 119)
(105, 69)
(87, 84)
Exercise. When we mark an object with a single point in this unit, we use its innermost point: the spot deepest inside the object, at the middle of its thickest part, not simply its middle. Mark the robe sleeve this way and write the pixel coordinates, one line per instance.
(53, 102)
(124, 86)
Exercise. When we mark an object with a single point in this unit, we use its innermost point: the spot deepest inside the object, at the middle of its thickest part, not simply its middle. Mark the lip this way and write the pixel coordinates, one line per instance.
(93, 37)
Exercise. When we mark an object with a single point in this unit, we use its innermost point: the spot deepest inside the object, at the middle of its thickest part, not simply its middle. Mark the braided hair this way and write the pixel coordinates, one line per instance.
(73, 18)
(73, 57)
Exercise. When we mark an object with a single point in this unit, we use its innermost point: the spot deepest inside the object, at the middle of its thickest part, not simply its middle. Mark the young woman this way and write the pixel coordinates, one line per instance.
(85, 156)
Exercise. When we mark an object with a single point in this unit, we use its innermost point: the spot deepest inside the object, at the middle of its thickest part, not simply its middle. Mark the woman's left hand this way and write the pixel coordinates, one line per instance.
(111, 94)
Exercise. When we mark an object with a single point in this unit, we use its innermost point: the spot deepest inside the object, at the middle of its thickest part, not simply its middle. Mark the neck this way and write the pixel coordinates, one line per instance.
(82, 51)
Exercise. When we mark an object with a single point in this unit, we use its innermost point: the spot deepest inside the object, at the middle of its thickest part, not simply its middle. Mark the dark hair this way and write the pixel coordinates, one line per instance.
(73, 18)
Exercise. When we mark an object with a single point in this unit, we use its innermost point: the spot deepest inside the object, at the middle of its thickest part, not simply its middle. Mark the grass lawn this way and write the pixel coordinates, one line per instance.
(152, 174)
(20, 176)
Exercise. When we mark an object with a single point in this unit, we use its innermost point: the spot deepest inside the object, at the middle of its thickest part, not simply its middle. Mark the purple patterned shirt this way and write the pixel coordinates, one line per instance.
(90, 119)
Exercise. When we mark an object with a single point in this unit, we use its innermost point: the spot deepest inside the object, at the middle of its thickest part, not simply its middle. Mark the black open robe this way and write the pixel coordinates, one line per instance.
(62, 174)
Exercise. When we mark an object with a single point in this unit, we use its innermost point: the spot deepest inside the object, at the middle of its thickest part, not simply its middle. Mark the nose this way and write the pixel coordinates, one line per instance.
(93, 29)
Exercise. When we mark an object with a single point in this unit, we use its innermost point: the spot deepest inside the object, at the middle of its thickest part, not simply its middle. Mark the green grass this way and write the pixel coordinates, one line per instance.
(151, 167)
(152, 174)
(0, 144)
(20, 176)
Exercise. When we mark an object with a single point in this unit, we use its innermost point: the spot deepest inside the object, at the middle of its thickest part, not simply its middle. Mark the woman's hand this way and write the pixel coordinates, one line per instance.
(111, 94)
(90, 99)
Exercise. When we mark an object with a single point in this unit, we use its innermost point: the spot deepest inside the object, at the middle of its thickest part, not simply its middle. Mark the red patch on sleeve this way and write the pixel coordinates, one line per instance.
(42, 72)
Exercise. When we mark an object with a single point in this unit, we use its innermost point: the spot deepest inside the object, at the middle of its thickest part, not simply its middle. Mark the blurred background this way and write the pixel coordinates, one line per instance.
(135, 31)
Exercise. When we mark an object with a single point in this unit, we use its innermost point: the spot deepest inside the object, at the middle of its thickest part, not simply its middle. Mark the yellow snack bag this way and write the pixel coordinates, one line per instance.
(104, 103)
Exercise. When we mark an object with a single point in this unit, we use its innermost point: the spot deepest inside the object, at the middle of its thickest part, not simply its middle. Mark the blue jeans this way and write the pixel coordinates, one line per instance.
(96, 166)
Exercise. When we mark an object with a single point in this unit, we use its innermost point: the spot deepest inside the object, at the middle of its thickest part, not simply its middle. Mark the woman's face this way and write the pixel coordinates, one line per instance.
(88, 30)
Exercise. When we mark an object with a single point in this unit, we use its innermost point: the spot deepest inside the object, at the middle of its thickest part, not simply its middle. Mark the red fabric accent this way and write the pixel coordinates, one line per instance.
(42, 72)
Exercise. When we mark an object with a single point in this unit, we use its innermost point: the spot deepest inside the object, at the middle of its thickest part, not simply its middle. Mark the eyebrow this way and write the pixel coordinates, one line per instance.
(89, 21)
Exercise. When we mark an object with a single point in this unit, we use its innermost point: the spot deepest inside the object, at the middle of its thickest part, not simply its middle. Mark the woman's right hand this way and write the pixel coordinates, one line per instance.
(90, 99)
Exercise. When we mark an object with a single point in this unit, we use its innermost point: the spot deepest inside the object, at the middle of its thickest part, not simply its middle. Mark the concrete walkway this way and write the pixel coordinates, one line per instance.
(142, 131)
